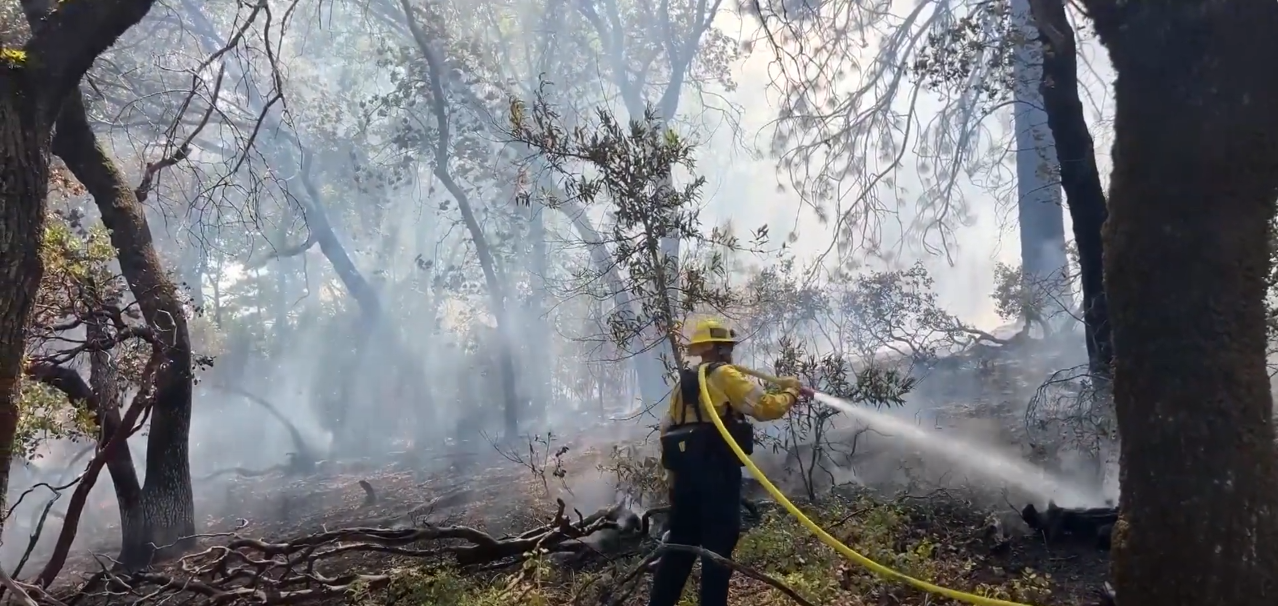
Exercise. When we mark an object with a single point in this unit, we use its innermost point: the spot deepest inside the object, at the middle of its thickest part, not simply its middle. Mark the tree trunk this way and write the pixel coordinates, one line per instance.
(1195, 178)
(322, 230)
(1079, 175)
(167, 512)
(104, 399)
(647, 361)
(537, 334)
(1087, 208)
(1042, 222)
(498, 301)
(24, 143)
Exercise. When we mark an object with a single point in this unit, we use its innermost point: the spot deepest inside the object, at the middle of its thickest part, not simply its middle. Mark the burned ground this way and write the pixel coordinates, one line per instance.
(469, 540)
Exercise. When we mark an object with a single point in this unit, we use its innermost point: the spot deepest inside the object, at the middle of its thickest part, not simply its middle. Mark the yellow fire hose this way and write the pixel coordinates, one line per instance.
(807, 522)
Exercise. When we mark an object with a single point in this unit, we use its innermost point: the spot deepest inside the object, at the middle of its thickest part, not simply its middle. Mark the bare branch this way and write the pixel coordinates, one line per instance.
(19, 592)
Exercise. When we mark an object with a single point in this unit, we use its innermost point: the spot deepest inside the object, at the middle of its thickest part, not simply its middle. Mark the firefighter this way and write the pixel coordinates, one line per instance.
(703, 472)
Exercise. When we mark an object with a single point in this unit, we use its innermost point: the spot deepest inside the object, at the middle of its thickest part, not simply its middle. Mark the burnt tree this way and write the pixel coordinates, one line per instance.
(1076, 152)
(1193, 190)
(34, 80)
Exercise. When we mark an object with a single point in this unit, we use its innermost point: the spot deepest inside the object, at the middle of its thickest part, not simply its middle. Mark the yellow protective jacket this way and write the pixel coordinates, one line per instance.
(729, 387)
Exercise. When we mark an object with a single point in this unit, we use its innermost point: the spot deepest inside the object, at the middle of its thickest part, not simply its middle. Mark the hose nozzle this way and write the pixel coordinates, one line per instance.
(783, 382)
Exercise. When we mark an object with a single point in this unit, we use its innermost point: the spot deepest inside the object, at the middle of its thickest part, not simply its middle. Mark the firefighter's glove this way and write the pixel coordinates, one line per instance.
(789, 383)
(796, 387)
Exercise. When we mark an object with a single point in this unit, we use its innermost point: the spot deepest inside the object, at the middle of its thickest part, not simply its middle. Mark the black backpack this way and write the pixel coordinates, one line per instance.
(699, 442)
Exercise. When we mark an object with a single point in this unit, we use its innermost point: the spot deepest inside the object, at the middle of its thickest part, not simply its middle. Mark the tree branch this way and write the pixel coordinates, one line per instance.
(143, 401)
(65, 380)
(106, 343)
(284, 253)
(184, 148)
(65, 42)
(20, 594)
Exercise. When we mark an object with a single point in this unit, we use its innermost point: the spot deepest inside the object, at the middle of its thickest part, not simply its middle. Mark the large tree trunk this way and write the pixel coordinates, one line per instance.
(24, 171)
(1194, 184)
(66, 38)
(166, 516)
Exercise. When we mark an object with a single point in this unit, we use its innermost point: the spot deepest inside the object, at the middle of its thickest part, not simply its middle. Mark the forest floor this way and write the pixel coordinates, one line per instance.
(473, 512)
(483, 529)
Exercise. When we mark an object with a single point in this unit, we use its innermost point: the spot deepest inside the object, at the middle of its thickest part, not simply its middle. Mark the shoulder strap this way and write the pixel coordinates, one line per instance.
(690, 387)
(690, 392)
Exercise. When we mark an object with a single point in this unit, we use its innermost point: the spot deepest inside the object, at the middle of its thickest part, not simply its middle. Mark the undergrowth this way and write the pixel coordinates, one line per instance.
(777, 546)
(881, 532)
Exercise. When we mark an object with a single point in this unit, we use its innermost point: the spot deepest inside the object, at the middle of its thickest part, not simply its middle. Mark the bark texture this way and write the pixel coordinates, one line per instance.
(165, 517)
(66, 38)
(1194, 183)
(24, 186)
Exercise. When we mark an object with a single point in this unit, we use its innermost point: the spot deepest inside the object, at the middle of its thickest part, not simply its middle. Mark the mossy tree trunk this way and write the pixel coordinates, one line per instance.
(1186, 253)
(24, 186)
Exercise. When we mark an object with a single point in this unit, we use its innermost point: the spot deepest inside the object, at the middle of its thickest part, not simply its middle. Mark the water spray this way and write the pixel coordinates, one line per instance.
(820, 533)
(975, 457)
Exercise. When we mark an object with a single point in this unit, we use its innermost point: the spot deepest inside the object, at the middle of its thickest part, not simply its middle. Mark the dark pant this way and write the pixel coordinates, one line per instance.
(705, 511)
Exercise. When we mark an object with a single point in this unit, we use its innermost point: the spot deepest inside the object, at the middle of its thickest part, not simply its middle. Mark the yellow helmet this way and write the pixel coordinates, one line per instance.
(711, 331)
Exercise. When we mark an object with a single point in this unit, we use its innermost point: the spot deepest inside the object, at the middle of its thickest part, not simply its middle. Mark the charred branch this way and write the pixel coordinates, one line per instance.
(252, 571)
(65, 380)
(625, 588)
(1095, 525)
(304, 455)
